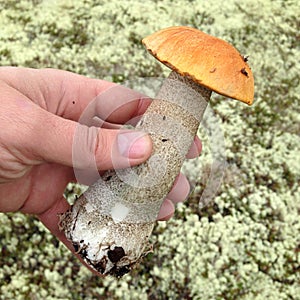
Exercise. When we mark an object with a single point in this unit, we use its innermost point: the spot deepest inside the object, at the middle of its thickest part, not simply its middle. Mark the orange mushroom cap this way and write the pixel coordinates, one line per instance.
(207, 60)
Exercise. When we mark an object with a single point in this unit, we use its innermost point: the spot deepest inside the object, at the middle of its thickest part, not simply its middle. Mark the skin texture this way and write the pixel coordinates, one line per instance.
(39, 112)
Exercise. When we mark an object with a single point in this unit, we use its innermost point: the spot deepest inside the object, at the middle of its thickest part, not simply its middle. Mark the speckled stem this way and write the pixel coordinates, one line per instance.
(110, 224)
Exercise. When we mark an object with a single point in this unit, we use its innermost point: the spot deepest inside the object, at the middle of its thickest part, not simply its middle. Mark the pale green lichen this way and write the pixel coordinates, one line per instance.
(244, 245)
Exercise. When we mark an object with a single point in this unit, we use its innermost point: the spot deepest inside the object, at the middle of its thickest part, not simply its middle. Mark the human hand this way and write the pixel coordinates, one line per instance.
(39, 114)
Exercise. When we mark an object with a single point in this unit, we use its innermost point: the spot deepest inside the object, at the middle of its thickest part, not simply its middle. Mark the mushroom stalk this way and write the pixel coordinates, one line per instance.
(110, 224)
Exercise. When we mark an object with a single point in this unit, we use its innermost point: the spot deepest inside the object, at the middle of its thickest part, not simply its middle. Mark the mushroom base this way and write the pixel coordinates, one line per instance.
(108, 247)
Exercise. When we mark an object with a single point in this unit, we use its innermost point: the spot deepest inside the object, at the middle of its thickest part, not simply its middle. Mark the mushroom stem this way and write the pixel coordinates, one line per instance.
(110, 224)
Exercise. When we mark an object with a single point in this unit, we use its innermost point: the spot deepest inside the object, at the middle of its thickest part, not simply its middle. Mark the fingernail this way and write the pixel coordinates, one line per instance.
(134, 144)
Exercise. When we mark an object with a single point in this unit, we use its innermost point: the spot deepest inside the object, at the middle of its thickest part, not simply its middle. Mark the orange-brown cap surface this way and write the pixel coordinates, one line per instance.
(208, 60)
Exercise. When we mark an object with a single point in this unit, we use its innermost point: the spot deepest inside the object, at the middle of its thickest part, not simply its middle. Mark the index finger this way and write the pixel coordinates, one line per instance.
(116, 105)
(68, 94)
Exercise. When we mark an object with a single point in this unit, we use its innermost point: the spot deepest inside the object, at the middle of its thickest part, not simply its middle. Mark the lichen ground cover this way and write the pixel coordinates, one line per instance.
(245, 243)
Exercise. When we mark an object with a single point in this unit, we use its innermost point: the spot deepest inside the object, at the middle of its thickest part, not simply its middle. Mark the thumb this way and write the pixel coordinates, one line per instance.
(73, 144)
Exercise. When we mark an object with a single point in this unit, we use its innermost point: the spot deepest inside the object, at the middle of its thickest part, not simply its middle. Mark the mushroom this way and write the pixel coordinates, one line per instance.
(110, 224)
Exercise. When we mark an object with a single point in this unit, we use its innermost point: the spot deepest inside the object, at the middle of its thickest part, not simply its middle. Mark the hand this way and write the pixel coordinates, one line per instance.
(39, 114)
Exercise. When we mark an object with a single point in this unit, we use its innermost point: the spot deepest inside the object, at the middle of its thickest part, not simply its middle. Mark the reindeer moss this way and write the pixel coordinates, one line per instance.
(244, 243)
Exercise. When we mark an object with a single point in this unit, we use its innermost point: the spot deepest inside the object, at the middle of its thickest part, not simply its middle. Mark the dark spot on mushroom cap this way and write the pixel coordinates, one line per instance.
(244, 72)
(116, 254)
(73, 102)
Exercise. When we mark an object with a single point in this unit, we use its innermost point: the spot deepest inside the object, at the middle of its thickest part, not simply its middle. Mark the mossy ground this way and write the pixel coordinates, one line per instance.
(243, 245)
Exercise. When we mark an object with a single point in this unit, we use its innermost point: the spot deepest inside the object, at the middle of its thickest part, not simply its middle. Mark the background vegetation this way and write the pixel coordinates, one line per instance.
(243, 245)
